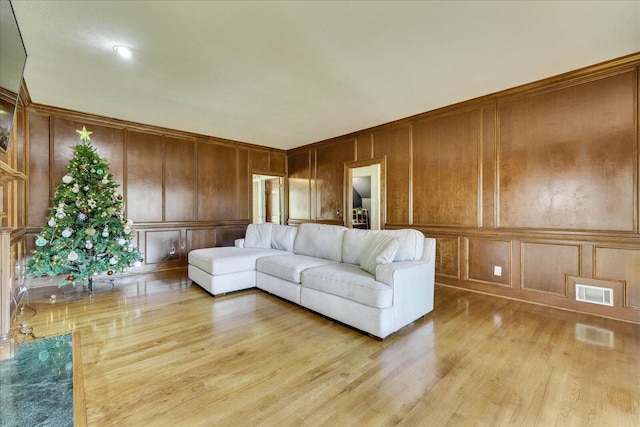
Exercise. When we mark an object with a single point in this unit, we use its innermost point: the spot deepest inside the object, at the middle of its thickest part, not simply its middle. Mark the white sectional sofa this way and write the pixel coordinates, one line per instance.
(375, 281)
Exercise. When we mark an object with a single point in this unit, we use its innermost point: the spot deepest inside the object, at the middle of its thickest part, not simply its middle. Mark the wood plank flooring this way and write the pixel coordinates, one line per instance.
(159, 351)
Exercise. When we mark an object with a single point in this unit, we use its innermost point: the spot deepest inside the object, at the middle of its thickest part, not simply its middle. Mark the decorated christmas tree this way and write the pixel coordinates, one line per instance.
(86, 233)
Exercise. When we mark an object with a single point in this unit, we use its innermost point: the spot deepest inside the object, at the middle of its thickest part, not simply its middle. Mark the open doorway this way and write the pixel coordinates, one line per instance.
(364, 191)
(267, 199)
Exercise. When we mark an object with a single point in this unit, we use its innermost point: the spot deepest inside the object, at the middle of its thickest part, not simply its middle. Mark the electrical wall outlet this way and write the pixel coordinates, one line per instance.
(497, 270)
(172, 251)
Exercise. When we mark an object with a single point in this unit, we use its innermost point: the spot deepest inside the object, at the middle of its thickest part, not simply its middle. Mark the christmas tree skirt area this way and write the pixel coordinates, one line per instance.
(36, 386)
(50, 293)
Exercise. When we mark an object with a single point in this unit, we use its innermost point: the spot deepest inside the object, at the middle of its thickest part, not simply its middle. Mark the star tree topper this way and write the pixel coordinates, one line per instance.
(84, 134)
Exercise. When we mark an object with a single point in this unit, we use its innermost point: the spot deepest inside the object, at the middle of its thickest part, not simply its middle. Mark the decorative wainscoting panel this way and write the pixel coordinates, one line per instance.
(485, 256)
(198, 238)
(545, 267)
(617, 286)
(159, 244)
(448, 256)
(226, 235)
(620, 263)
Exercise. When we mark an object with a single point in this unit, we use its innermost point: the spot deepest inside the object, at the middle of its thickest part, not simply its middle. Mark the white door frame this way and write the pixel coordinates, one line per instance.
(349, 168)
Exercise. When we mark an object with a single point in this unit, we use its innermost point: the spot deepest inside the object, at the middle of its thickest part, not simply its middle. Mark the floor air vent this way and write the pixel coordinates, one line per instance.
(594, 294)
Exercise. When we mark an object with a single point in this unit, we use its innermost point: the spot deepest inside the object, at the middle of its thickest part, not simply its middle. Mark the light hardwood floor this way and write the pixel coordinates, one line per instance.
(159, 351)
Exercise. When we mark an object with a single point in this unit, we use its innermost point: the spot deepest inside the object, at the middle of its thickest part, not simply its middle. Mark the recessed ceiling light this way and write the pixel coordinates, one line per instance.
(123, 51)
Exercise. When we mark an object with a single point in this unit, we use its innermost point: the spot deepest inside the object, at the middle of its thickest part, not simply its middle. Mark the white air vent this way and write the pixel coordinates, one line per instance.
(593, 335)
(594, 294)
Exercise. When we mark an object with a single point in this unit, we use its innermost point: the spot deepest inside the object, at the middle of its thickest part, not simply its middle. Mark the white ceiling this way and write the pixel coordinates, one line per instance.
(287, 73)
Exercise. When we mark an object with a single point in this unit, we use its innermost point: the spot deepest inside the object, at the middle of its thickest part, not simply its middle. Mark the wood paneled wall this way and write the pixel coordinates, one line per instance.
(539, 180)
(183, 191)
(316, 181)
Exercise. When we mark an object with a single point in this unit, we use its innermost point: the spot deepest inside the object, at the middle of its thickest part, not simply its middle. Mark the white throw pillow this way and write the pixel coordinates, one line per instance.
(258, 236)
(380, 249)
(283, 236)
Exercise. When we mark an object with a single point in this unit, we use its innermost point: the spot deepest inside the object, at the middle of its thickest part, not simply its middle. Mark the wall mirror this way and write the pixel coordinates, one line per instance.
(13, 57)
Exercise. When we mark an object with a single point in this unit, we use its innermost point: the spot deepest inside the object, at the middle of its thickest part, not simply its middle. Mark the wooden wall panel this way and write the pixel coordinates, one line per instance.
(39, 171)
(20, 148)
(445, 169)
(158, 244)
(259, 160)
(364, 147)
(394, 143)
(486, 254)
(488, 195)
(619, 263)
(568, 157)
(448, 256)
(244, 185)
(226, 236)
(329, 178)
(546, 267)
(109, 143)
(299, 185)
(201, 238)
(179, 180)
(144, 196)
(217, 182)
(277, 162)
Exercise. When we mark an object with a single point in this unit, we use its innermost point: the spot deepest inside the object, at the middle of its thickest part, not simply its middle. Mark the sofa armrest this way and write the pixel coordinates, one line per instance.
(413, 284)
(239, 243)
(390, 273)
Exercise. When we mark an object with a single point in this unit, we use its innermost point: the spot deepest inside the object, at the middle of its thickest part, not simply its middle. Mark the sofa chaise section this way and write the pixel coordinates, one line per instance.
(226, 269)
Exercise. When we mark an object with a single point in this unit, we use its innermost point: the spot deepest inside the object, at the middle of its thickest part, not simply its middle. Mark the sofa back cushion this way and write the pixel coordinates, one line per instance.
(411, 244)
(380, 249)
(353, 245)
(320, 240)
(283, 236)
(258, 236)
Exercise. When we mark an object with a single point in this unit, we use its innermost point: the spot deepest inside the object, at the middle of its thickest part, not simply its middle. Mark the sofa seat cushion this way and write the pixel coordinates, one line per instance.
(348, 281)
(228, 259)
(289, 267)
